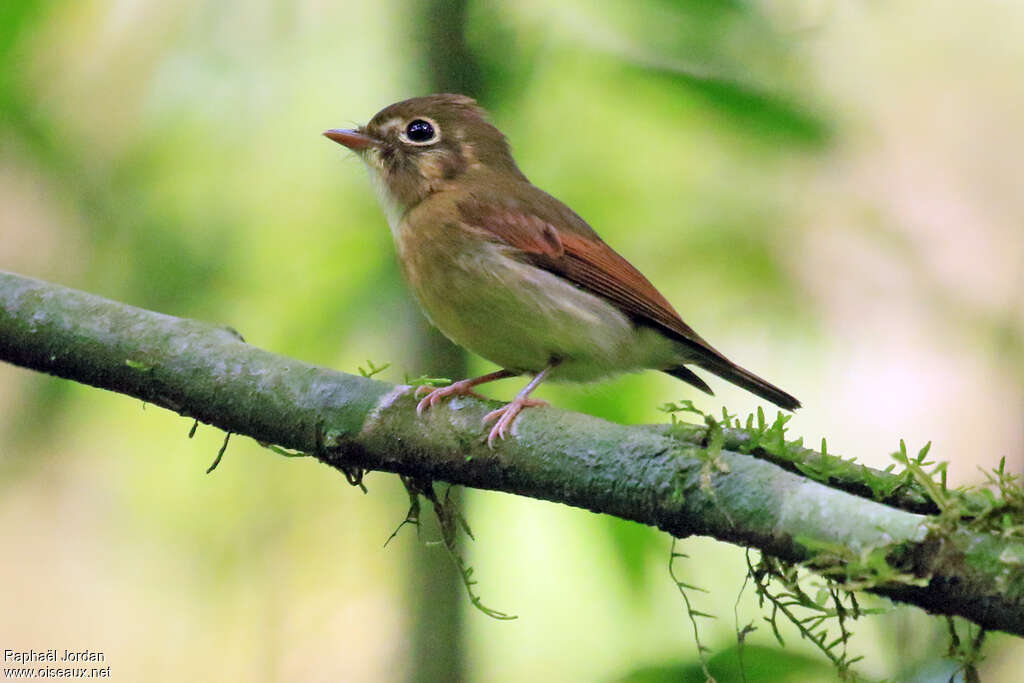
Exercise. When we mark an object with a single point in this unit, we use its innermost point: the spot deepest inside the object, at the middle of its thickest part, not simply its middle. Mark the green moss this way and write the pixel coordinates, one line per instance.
(964, 529)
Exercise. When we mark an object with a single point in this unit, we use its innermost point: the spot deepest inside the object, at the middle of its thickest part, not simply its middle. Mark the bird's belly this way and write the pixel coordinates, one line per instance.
(522, 317)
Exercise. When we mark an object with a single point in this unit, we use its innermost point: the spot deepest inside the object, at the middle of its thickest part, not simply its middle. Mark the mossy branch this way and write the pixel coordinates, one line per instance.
(640, 473)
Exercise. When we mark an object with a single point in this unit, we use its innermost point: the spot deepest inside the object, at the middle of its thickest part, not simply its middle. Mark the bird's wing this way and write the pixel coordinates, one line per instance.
(556, 239)
(550, 236)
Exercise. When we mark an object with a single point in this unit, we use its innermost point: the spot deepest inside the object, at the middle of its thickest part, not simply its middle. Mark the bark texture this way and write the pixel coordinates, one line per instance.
(640, 473)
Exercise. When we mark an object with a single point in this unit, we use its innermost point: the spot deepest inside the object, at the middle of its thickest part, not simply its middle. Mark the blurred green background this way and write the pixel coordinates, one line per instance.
(829, 192)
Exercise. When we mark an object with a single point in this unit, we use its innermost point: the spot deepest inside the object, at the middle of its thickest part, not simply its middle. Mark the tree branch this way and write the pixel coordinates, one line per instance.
(641, 473)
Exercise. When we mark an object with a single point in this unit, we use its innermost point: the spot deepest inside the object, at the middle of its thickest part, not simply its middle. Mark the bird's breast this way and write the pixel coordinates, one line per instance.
(484, 298)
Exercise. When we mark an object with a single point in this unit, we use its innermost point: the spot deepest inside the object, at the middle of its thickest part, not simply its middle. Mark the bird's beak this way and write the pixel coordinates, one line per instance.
(352, 139)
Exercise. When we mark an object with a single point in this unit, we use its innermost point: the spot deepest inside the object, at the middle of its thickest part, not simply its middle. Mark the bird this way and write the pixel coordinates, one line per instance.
(511, 273)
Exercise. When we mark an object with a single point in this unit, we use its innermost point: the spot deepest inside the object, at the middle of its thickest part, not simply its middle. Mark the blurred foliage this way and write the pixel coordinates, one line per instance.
(750, 663)
(757, 113)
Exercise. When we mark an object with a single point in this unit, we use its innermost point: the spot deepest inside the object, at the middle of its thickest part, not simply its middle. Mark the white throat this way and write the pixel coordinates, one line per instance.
(393, 211)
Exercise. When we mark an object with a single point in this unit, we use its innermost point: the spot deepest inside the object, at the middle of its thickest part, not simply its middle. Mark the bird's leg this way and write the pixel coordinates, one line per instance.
(507, 414)
(460, 388)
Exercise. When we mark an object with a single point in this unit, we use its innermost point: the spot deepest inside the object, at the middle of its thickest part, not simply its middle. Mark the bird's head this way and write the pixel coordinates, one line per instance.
(428, 144)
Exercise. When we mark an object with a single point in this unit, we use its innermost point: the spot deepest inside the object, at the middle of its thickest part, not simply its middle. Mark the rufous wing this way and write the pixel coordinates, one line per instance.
(571, 249)
(557, 240)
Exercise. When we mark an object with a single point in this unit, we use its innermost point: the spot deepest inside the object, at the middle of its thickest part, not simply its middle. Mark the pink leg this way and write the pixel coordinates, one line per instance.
(461, 388)
(507, 414)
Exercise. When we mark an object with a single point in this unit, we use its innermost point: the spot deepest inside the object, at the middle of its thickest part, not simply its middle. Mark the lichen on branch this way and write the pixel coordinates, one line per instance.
(965, 560)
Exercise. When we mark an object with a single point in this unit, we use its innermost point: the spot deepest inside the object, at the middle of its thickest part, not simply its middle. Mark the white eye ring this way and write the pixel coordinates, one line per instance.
(417, 127)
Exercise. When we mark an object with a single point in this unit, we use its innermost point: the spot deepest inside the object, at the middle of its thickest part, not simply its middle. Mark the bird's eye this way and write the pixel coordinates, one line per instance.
(420, 132)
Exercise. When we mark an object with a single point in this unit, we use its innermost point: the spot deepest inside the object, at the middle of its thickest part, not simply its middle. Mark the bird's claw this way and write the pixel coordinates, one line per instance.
(436, 394)
(506, 415)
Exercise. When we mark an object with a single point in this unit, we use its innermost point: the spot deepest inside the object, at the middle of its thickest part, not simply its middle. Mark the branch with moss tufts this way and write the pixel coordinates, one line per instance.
(741, 484)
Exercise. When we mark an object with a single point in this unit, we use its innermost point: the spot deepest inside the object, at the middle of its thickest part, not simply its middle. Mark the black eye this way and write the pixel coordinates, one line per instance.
(419, 130)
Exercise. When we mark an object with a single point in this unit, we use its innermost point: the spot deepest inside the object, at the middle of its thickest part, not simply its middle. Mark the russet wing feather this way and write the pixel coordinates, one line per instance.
(557, 240)
(550, 236)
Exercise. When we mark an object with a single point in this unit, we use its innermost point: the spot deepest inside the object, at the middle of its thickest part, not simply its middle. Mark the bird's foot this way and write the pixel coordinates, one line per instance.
(436, 395)
(506, 415)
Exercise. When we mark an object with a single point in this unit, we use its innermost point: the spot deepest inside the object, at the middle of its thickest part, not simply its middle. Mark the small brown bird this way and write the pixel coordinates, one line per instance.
(509, 272)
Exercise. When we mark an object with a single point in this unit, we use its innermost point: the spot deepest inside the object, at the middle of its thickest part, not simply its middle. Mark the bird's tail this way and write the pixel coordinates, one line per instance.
(741, 377)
